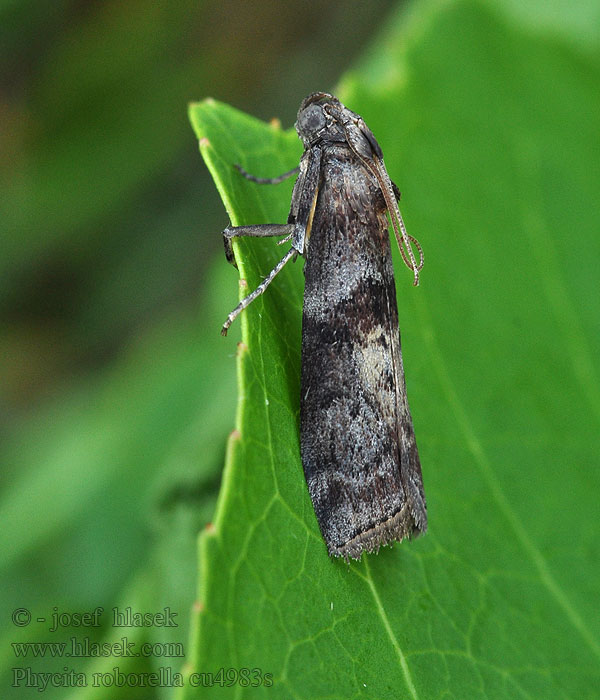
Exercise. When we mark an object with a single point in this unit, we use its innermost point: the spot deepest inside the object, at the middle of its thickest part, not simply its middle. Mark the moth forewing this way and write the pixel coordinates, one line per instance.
(357, 440)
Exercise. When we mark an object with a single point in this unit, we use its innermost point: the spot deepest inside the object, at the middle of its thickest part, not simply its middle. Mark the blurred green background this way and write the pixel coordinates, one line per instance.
(117, 392)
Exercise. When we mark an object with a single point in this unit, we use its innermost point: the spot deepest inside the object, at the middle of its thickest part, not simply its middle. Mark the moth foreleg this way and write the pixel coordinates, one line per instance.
(268, 180)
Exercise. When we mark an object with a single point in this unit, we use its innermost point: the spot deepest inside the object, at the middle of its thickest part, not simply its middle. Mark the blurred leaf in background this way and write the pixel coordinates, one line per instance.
(117, 392)
(489, 125)
(102, 198)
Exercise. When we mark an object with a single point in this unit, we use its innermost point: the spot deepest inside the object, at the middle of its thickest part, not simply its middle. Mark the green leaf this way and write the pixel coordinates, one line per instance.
(491, 132)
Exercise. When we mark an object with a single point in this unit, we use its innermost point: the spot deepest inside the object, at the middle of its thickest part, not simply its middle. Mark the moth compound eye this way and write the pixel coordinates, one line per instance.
(310, 121)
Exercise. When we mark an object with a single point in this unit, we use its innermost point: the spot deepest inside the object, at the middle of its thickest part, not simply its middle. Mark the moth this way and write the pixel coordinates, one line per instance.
(357, 440)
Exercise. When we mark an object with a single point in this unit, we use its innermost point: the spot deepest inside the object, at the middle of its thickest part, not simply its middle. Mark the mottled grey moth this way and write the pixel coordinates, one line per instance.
(356, 434)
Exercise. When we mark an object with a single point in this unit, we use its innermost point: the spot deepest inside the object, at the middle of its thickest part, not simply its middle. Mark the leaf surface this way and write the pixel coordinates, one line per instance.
(491, 132)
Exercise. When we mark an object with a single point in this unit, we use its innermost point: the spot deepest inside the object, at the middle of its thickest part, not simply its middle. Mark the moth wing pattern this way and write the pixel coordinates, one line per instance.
(357, 439)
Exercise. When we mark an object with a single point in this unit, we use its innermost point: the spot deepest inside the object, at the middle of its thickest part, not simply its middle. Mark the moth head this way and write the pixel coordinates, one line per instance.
(323, 118)
(318, 119)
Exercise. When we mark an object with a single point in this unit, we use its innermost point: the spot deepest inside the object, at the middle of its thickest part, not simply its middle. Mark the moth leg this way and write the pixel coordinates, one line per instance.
(304, 200)
(258, 231)
(267, 180)
(292, 252)
(287, 239)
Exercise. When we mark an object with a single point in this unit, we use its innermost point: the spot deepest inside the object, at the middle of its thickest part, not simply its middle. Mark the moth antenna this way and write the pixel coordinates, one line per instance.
(377, 166)
(420, 249)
